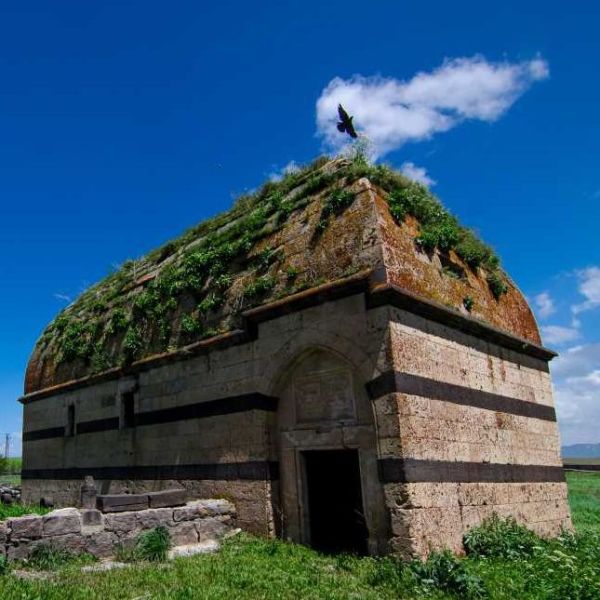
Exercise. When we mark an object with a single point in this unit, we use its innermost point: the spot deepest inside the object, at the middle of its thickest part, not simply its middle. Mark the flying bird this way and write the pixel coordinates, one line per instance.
(345, 122)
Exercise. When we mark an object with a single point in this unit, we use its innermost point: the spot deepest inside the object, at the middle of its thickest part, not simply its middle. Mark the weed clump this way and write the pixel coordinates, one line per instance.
(497, 284)
(190, 325)
(259, 287)
(500, 538)
(47, 557)
(439, 228)
(335, 204)
(152, 545)
(444, 571)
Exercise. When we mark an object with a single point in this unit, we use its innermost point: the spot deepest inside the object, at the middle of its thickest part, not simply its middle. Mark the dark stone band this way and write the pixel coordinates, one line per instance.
(197, 410)
(250, 471)
(391, 470)
(395, 381)
(43, 434)
(212, 408)
(98, 425)
(412, 470)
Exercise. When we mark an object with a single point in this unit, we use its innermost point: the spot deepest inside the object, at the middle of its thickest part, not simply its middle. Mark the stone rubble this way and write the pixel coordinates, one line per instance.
(199, 523)
(9, 494)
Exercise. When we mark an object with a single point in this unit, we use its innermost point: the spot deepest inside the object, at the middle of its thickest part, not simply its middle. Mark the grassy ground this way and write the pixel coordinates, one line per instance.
(518, 567)
(12, 480)
(18, 510)
(10, 471)
(584, 498)
(581, 461)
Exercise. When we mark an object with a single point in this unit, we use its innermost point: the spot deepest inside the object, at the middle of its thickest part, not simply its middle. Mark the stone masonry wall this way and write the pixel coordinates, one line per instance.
(90, 531)
(452, 421)
(463, 427)
(237, 445)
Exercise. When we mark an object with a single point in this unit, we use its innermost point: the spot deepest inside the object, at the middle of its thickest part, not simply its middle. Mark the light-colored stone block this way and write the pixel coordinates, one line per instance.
(121, 522)
(190, 512)
(62, 522)
(25, 528)
(183, 533)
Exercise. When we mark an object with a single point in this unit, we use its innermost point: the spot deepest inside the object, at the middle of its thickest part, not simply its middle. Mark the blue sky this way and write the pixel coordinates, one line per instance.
(123, 123)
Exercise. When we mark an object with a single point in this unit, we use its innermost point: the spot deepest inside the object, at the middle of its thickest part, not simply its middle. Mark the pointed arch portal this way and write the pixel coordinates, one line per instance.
(330, 494)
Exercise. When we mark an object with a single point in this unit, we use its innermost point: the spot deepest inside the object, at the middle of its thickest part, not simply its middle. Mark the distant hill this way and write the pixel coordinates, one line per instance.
(581, 451)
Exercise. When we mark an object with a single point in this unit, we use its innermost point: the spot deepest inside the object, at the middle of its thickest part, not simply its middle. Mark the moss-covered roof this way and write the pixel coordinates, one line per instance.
(319, 224)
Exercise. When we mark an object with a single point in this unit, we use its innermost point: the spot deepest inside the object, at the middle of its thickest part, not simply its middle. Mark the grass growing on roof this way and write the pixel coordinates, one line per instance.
(121, 320)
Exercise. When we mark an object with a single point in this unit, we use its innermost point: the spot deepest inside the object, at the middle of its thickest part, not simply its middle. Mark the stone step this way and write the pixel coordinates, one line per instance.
(126, 502)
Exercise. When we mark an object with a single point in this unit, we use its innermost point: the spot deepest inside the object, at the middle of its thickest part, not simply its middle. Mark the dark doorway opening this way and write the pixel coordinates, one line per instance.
(335, 507)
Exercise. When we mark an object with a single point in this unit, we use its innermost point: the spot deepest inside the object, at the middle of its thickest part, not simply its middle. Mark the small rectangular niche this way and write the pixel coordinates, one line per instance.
(128, 410)
(70, 428)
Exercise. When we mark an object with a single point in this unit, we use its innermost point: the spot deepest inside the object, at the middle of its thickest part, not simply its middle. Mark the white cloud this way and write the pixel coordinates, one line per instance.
(63, 298)
(391, 112)
(589, 288)
(291, 167)
(545, 305)
(578, 408)
(556, 334)
(577, 361)
(416, 173)
(576, 374)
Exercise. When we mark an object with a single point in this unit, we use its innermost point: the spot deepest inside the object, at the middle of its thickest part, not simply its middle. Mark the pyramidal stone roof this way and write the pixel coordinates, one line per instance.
(333, 224)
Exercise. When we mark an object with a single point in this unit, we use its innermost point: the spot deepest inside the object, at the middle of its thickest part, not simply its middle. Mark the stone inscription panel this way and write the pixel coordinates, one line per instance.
(325, 396)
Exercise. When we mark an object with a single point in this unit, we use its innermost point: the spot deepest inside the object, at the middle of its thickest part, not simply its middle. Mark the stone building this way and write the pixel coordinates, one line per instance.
(335, 355)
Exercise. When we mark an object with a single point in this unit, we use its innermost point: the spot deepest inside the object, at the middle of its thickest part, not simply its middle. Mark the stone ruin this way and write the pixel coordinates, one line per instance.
(104, 523)
(86, 530)
(9, 493)
(344, 374)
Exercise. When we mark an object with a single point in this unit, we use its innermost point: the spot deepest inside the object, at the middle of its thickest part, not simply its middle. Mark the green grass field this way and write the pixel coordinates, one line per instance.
(584, 499)
(12, 480)
(581, 461)
(519, 567)
(10, 471)
(18, 510)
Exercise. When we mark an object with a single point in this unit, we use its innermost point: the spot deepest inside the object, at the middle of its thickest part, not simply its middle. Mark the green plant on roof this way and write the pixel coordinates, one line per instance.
(443, 235)
(132, 343)
(468, 303)
(475, 253)
(211, 302)
(259, 287)
(120, 319)
(337, 201)
(190, 325)
(266, 257)
(222, 282)
(78, 340)
(440, 229)
(291, 273)
(497, 284)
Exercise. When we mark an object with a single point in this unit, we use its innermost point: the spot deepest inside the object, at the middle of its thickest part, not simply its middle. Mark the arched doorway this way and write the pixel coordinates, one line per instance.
(330, 494)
